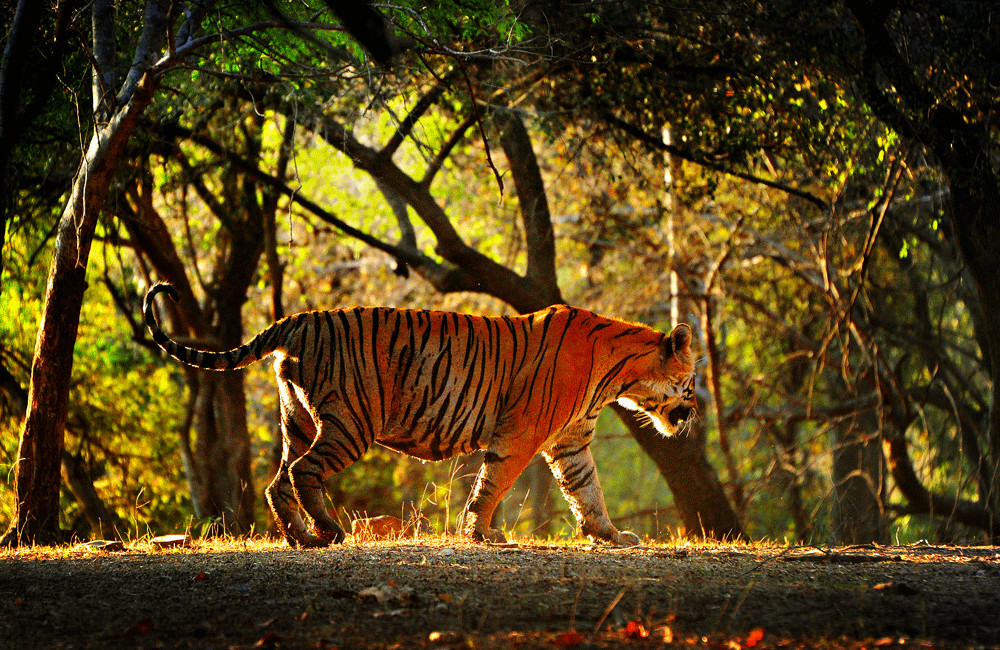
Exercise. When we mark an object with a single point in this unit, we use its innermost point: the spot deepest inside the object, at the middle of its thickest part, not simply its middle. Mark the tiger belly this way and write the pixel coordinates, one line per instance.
(437, 433)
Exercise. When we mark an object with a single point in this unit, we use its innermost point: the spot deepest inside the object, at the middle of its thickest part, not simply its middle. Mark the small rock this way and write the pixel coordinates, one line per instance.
(385, 526)
(171, 541)
(108, 545)
(900, 588)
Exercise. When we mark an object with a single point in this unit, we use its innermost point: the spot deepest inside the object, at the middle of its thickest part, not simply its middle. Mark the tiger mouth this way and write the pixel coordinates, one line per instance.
(679, 415)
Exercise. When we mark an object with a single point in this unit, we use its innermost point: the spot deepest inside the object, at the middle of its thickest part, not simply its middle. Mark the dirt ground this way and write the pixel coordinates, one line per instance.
(446, 593)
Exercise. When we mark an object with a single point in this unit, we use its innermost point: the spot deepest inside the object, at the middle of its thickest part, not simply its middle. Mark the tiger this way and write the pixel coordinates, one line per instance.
(434, 384)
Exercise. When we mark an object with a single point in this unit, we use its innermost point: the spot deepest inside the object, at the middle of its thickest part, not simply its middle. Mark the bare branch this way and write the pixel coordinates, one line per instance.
(406, 125)
(657, 143)
(435, 164)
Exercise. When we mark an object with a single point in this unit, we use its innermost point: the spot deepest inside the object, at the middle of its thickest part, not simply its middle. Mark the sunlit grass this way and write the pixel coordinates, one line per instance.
(259, 543)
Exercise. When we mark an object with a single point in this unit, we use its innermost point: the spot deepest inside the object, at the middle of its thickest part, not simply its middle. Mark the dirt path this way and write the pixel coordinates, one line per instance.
(444, 593)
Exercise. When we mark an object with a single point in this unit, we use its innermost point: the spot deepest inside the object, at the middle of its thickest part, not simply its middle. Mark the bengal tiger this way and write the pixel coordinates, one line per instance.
(434, 384)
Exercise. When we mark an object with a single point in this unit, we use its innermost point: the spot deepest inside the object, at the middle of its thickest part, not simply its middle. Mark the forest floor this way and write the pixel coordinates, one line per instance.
(447, 593)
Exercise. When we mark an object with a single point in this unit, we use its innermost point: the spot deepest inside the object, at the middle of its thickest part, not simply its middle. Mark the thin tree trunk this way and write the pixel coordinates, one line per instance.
(713, 371)
(102, 520)
(37, 478)
(858, 484)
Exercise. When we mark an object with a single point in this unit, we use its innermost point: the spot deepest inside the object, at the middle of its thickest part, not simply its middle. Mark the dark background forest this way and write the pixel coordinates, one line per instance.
(813, 186)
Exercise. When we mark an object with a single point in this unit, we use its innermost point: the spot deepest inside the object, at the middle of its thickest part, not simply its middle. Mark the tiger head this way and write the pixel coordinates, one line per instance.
(665, 395)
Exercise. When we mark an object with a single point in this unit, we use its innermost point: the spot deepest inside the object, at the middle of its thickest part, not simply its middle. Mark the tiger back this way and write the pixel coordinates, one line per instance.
(436, 384)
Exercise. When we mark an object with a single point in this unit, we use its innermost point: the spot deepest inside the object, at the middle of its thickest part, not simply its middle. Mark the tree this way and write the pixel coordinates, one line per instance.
(37, 480)
(925, 71)
(167, 36)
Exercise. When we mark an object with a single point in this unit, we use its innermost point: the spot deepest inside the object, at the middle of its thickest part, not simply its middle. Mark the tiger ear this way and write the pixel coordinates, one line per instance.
(678, 344)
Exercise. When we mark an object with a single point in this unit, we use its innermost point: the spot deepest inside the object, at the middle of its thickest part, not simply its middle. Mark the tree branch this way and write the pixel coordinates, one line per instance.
(920, 500)
(539, 237)
(481, 273)
(406, 125)
(656, 142)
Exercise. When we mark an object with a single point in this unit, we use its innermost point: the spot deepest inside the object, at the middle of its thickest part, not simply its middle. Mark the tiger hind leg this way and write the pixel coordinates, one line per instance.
(285, 508)
(494, 480)
(297, 433)
(334, 448)
(573, 467)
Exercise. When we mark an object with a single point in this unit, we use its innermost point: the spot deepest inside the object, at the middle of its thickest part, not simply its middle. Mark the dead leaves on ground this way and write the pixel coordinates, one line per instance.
(655, 635)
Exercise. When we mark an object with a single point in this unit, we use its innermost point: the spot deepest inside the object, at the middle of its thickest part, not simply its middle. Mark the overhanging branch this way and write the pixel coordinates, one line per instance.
(655, 142)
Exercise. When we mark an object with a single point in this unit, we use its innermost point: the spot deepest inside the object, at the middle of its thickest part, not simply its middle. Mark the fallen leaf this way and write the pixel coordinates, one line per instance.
(268, 640)
(201, 576)
(756, 636)
(568, 640)
(389, 594)
(171, 541)
(635, 630)
(144, 626)
(104, 545)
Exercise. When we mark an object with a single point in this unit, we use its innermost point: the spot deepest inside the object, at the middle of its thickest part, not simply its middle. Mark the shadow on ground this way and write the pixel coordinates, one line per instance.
(445, 593)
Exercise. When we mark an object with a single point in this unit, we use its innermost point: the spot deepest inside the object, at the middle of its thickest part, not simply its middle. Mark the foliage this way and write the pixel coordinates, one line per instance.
(124, 407)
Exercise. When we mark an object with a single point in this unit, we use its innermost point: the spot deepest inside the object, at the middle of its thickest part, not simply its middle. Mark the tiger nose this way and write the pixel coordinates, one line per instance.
(679, 414)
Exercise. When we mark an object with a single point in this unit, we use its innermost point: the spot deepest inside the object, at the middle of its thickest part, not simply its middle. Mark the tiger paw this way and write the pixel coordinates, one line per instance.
(489, 535)
(308, 540)
(627, 538)
(624, 538)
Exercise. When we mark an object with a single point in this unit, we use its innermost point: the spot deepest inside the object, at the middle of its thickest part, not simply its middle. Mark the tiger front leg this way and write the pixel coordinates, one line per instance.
(573, 467)
(494, 480)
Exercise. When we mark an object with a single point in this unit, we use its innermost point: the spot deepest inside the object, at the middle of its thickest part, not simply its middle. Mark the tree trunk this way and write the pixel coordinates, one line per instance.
(976, 207)
(36, 483)
(102, 520)
(858, 484)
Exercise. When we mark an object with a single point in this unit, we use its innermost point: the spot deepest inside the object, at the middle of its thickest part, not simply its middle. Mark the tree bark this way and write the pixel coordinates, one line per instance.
(858, 484)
